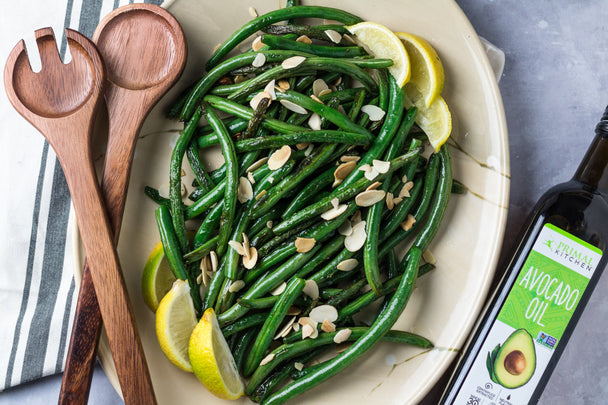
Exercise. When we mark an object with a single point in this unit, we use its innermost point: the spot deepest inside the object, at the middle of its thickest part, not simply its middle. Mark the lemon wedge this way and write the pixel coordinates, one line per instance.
(427, 75)
(157, 277)
(175, 321)
(384, 44)
(435, 121)
(212, 361)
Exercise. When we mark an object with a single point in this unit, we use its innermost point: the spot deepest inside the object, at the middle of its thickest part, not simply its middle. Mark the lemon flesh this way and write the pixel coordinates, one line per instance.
(427, 74)
(212, 361)
(157, 277)
(384, 44)
(435, 121)
(175, 321)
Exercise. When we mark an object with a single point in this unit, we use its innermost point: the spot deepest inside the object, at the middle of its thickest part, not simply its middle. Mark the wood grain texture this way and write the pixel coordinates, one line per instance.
(61, 102)
(144, 50)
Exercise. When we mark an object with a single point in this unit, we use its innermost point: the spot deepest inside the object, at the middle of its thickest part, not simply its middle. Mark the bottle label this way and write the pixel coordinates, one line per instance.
(532, 320)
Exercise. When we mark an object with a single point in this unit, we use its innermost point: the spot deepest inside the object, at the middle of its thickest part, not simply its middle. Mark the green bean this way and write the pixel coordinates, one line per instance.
(347, 293)
(312, 32)
(359, 99)
(258, 303)
(155, 196)
(231, 182)
(201, 251)
(331, 268)
(209, 225)
(458, 187)
(256, 120)
(271, 325)
(324, 254)
(213, 289)
(242, 347)
(287, 237)
(309, 191)
(320, 50)
(378, 329)
(275, 16)
(244, 323)
(199, 171)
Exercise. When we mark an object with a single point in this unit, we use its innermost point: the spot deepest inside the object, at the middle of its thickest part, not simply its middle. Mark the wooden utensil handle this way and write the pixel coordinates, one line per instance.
(114, 302)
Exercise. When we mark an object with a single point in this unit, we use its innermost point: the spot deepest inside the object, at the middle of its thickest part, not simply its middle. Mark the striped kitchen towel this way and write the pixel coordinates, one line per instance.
(36, 274)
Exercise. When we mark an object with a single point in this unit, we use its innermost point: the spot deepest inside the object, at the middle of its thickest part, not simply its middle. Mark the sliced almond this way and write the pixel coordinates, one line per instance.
(404, 178)
(311, 289)
(199, 279)
(293, 310)
(405, 190)
(214, 261)
(239, 79)
(369, 198)
(250, 177)
(244, 190)
(338, 81)
(374, 112)
(342, 335)
(260, 194)
(291, 106)
(257, 164)
(371, 174)
(343, 170)
(307, 331)
(334, 212)
(284, 84)
(356, 218)
(253, 12)
(269, 224)
(249, 262)
(381, 166)
(324, 312)
(259, 61)
(183, 190)
(238, 247)
(304, 245)
(268, 359)
(270, 90)
(298, 366)
(397, 200)
(349, 158)
(304, 39)
(309, 149)
(373, 186)
(279, 158)
(271, 179)
(345, 229)
(314, 122)
(279, 289)
(349, 38)
(390, 203)
(236, 286)
(348, 264)
(334, 36)
(285, 329)
(302, 145)
(328, 326)
(324, 92)
(356, 239)
(429, 257)
(253, 103)
(408, 223)
(317, 99)
(257, 44)
(318, 86)
(292, 62)
(296, 326)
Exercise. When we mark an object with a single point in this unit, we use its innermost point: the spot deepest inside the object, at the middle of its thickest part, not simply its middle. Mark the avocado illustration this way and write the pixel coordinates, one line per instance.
(512, 364)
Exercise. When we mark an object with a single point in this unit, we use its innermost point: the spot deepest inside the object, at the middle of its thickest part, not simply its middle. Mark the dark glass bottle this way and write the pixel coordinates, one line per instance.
(558, 261)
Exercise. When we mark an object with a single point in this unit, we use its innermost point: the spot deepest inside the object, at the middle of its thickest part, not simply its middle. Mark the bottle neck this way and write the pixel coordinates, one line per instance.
(593, 170)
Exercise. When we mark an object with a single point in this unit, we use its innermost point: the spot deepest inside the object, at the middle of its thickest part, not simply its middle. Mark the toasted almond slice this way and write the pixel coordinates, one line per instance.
(298, 366)
(390, 203)
(250, 262)
(356, 239)
(244, 190)
(292, 62)
(397, 200)
(343, 170)
(279, 289)
(345, 229)
(270, 90)
(307, 331)
(349, 38)
(271, 179)
(257, 164)
(317, 99)
(369, 198)
(291, 106)
(348, 264)
(342, 335)
(284, 84)
(279, 157)
(405, 190)
(324, 92)
(334, 212)
(236, 286)
(334, 36)
(318, 86)
(404, 178)
(302, 145)
(349, 158)
(237, 247)
(253, 12)
(199, 279)
(260, 194)
(259, 61)
(328, 326)
(268, 359)
(311, 289)
(365, 168)
(356, 218)
(293, 310)
(371, 174)
(335, 202)
(304, 320)
(309, 149)
(269, 224)
(253, 103)
(286, 329)
(336, 183)
(250, 177)
(304, 39)
(314, 122)
(408, 223)
(338, 81)
(304, 245)
(381, 166)
(374, 112)
(429, 257)
(324, 312)
(373, 186)
(214, 261)
(296, 326)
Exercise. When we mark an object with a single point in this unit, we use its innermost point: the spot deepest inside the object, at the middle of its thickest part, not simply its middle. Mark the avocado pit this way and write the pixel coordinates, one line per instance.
(515, 362)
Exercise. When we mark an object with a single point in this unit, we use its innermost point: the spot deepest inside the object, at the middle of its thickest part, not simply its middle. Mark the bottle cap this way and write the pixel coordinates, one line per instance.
(602, 127)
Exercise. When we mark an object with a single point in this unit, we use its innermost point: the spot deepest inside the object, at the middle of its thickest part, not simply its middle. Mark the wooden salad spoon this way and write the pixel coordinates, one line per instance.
(61, 101)
(144, 51)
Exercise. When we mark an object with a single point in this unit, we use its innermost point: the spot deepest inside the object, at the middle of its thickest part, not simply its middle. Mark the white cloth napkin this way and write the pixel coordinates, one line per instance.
(38, 294)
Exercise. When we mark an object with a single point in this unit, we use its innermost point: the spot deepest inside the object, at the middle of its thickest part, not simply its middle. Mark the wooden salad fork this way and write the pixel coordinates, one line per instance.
(144, 51)
(61, 101)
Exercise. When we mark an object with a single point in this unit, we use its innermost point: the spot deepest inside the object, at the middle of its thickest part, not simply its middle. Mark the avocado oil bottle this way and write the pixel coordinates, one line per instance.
(558, 261)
